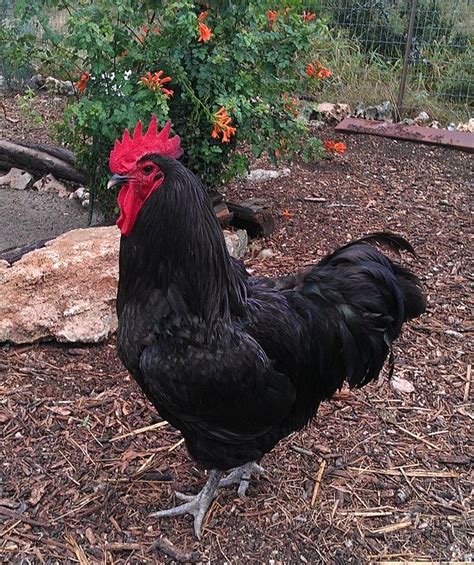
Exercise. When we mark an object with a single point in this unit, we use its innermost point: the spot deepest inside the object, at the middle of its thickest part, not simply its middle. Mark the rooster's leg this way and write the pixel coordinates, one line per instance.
(195, 505)
(241, 476)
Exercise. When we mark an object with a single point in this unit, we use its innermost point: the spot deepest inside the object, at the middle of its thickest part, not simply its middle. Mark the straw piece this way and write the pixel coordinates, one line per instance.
(318, 482)
(141, 430)
(396, 473)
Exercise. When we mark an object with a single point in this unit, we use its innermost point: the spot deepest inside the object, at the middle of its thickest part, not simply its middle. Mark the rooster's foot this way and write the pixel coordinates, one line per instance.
(241, 476)
(196, 505)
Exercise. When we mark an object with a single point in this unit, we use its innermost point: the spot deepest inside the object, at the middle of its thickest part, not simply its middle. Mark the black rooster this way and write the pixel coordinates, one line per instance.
(238, 363)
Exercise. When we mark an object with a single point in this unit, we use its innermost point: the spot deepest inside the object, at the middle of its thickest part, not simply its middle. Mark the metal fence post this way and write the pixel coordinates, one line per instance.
(406, 61)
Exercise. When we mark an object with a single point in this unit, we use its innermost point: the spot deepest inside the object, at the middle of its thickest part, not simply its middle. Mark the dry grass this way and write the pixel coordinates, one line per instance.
(366, 77)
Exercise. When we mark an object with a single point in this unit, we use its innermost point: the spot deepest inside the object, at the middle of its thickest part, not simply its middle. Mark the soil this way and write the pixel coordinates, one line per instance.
(29, 215)
(380, 475)
(32, 215)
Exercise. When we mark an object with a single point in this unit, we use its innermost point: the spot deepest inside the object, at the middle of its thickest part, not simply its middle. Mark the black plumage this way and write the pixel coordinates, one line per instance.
(235, 362)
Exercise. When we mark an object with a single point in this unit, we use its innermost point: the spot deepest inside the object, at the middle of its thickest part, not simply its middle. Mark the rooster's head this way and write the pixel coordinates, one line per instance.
(134, 169)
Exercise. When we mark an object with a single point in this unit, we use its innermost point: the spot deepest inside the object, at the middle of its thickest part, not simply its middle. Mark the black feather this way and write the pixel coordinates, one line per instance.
(235, 362)
(390, 240)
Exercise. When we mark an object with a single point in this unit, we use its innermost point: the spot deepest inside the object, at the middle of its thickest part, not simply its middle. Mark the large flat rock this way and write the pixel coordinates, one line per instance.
(66, 290)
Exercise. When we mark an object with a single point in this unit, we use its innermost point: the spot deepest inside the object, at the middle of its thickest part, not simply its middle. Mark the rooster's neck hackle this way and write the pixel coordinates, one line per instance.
(178, 247)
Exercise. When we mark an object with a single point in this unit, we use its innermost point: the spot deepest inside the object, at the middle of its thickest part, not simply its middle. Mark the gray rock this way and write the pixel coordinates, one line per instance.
(422, 118)
(53, 85)
(261, 175)
(401, 385)
(467, 126)
(311, 112)
(236, 242)
(64, 291)
(454, 333)
(51, 185)
(64, 87)
(16, 179)
(79, 193)
(265, 254)
(333, 112)
(383, 111)
(316, 125)
(401, 496)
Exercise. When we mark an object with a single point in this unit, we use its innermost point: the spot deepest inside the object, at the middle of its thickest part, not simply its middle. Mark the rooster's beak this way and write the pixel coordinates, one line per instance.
(117, 180)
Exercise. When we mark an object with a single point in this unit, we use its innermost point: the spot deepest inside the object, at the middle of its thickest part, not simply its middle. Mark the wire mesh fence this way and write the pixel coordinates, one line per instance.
(440, 53)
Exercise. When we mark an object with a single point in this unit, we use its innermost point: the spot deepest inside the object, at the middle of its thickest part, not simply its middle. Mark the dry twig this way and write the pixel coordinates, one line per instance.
(141, 430)
(317, 482)
(468, 384)
(177, 553)
(17, 516)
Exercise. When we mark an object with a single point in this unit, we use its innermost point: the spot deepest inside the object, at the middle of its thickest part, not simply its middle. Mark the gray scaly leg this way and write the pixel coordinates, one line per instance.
(196, 505)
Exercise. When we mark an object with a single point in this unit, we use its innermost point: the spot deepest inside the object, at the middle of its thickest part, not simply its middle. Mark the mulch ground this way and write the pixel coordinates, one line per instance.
(380, 475)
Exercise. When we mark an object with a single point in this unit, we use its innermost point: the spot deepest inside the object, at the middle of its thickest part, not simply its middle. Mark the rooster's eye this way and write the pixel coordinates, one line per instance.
(147, 170)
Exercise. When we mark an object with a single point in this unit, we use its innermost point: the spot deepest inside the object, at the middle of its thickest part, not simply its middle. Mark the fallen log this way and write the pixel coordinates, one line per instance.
(54, 150)
(252, 216)
(40, 162)
(223, 214)
(14, 254)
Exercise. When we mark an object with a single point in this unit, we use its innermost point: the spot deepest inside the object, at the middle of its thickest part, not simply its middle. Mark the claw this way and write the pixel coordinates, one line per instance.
(185, 497)
(198, 504)
(241, 476)
(195, 505)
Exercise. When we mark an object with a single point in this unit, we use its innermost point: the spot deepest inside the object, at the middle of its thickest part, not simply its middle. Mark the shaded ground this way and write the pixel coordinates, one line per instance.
(80, 478)
(28, 215)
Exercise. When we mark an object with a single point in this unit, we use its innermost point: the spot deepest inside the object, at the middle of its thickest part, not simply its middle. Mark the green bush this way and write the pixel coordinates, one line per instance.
(237, 65)
(313, 151)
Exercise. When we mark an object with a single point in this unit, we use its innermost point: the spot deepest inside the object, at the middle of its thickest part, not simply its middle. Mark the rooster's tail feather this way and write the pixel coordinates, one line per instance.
(367, 297)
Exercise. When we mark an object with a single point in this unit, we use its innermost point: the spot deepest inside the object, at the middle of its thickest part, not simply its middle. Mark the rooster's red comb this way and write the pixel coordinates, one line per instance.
(130, 149)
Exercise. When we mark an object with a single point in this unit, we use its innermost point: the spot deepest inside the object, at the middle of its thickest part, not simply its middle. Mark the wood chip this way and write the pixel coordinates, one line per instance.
(77, 550)
(17, 516)
(418, 437)
(177, 553)
(176, 445)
